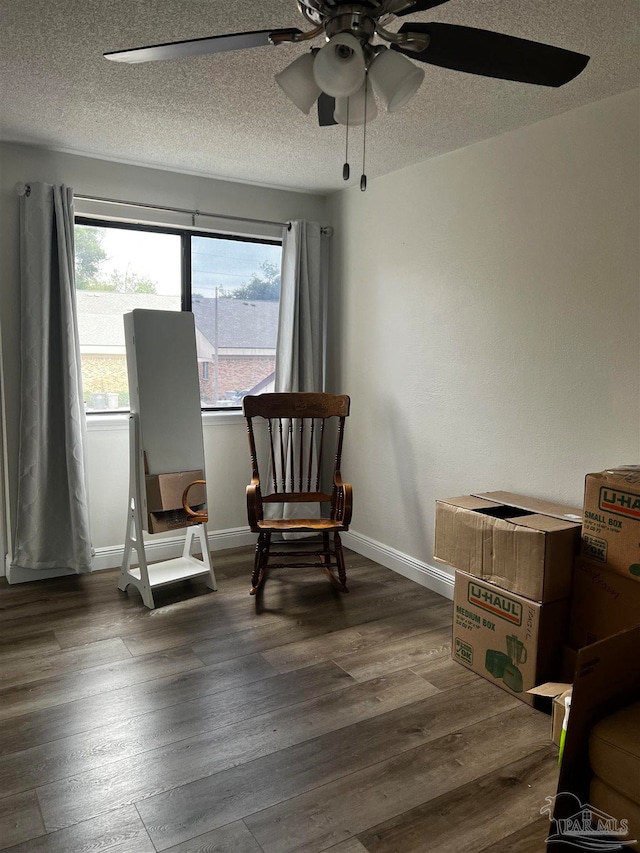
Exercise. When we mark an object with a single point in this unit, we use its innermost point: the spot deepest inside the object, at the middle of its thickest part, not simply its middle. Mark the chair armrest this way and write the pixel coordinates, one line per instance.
(341, 502)
(254, 504)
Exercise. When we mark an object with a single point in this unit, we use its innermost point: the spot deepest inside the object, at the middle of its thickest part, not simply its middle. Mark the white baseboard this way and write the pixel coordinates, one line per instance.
(110, 557)
(432, 577)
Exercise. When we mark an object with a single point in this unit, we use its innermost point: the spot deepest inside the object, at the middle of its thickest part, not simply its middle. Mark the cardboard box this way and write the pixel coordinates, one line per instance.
(506, 638)
(607, 678)
(172, 519)
(602, 604)
(164, 491)
(611, 531)
(569, 660)
(557, 691)
(520, 544)
(164, 499)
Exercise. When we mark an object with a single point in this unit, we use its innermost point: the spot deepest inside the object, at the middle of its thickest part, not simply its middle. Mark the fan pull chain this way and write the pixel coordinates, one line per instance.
(346, 171)
(363, 177)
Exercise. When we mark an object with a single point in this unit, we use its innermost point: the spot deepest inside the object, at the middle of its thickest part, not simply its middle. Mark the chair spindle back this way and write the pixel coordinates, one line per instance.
(296, 435)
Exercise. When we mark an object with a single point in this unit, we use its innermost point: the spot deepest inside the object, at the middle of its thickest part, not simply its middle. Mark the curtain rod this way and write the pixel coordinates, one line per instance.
(25, 189)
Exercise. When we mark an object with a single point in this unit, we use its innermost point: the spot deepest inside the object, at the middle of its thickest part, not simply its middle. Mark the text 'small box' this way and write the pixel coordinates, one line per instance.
(611, 532)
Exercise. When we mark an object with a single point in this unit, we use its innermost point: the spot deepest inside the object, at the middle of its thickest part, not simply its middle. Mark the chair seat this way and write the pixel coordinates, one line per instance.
(300, 524)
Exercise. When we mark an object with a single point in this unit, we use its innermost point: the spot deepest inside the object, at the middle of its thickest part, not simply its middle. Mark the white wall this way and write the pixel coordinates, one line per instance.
(486, 322)
(228, 472)
(226, 450)
(485, 316)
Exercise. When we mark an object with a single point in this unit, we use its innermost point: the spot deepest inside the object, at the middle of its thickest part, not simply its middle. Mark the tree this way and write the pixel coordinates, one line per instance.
(264, 285)
(129, 282)
(90, 254)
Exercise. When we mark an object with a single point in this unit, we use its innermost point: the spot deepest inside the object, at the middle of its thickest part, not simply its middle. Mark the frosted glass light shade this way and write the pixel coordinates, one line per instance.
(353, 107)
(339, 66)
(395, 78)
(298, 83)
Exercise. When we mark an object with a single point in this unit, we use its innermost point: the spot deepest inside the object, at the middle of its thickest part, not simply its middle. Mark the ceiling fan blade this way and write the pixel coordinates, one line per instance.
(420, 6)
(326, 108)
(494, 54)
(195, 47)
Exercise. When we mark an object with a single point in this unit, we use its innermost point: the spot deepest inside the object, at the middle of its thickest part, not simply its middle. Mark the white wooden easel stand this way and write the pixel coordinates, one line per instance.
(146, 577)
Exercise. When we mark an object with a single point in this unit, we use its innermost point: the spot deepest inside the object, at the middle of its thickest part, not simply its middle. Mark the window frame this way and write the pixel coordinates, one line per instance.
(186, 303)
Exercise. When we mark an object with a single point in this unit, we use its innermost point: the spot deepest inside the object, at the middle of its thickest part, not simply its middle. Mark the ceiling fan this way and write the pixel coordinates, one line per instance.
(355, 58)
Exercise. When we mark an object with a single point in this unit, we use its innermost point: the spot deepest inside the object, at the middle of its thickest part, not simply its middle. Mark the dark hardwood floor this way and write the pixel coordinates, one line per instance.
(306, 721)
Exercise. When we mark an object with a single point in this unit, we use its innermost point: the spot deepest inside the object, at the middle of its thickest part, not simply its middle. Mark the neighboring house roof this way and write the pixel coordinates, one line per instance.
(265, 385)
(100, 324)
(242, 324)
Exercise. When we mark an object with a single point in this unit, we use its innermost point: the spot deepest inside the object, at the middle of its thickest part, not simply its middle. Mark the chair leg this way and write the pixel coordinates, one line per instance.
(326, 556)
(342, 574)
(260, 562)
(339, 582)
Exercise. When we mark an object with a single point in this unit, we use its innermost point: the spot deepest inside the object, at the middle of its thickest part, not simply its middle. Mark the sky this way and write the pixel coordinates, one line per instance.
(216, 262)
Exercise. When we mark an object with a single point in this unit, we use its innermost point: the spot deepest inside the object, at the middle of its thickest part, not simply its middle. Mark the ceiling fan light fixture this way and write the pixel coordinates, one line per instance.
(395, 78)
(298, 83)
(352, 110)
(339, 67)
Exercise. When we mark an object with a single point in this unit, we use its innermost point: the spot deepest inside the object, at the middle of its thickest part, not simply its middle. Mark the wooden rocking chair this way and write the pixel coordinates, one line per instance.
(297, 427)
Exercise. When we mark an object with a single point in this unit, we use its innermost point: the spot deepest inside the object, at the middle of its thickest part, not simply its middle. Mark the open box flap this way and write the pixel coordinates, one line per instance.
(566, 513)
(550, 689)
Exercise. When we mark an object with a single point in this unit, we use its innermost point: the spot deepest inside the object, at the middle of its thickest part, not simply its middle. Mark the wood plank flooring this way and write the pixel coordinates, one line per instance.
(303, 722)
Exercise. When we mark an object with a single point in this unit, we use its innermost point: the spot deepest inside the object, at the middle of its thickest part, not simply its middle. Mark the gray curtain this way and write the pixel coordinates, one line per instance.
(301, 331)
(52, 528)
(301, 327)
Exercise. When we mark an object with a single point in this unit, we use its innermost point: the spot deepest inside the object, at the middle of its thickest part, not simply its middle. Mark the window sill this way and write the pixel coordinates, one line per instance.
(116, 421)
(223, 418)
(120, 420)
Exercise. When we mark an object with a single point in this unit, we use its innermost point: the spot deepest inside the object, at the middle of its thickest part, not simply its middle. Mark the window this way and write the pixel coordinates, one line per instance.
(235, 300)
(232, 285)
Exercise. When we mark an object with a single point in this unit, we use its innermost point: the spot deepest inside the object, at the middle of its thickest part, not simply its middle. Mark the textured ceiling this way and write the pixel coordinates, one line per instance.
(224, 116)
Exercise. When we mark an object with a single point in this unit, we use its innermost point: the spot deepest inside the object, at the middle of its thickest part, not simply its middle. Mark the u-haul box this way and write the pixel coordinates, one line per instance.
(506, 638)
(611, 526)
